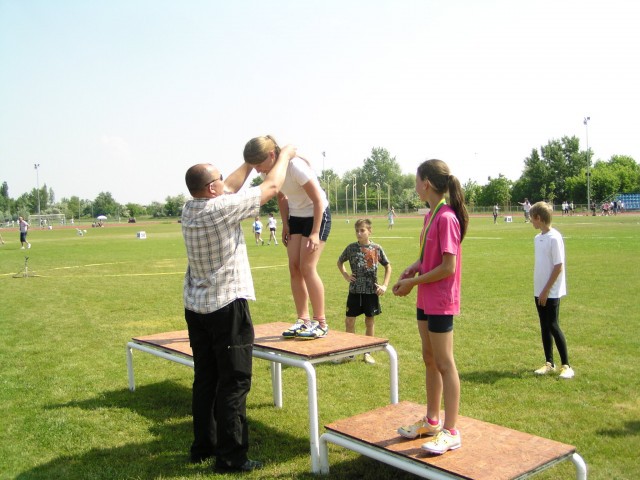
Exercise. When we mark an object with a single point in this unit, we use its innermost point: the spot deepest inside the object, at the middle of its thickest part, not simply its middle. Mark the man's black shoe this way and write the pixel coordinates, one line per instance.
(248, 466)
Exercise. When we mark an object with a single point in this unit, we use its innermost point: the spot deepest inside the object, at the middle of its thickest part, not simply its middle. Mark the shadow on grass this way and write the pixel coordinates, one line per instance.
(167, 406)
(364, 468)
(490, 376)
(631, 428)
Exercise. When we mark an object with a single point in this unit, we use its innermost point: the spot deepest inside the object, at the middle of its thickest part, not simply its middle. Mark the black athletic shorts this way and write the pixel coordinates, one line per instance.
(363, 303)
(304, 225)
(436, 323)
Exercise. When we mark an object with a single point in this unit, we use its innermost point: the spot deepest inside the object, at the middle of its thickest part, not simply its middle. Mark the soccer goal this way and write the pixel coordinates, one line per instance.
(47, 220)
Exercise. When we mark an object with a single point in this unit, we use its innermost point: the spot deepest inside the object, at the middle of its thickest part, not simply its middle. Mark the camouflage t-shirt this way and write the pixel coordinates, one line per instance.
(364, 260)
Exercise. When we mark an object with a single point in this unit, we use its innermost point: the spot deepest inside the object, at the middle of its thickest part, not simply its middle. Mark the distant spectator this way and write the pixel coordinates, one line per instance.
(526, 206)
(24, 229)
(391, 215)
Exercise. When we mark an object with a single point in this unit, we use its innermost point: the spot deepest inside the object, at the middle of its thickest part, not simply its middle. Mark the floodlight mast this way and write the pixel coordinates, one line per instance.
(37, 166)
(586, 128)
(355, 196)
(366, 209)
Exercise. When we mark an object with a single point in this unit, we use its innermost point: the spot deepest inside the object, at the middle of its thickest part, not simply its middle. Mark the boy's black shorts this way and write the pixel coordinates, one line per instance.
(363, 303)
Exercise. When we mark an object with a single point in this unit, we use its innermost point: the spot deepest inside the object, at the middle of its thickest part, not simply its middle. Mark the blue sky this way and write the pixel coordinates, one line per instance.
(124, 95)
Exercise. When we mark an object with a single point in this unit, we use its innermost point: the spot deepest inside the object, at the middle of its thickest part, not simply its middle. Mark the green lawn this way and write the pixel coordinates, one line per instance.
(66, 411)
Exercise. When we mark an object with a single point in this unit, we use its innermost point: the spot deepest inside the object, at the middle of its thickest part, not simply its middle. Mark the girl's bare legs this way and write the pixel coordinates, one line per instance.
(442, 375)
(313, 282)
(298, 285)
(433, 380)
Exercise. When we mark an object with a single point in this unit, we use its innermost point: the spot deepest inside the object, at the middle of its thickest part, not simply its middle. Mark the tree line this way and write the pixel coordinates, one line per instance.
(556, 172)
(74, 207)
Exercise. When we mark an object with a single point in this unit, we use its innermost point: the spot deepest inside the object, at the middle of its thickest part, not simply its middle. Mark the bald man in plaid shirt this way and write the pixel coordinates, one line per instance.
(217, 285)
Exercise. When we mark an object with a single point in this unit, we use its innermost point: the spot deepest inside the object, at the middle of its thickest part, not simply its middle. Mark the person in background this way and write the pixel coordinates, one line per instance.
(526, 206)
(272, 224)
(257, 230)
(24, 229)
(391, 218)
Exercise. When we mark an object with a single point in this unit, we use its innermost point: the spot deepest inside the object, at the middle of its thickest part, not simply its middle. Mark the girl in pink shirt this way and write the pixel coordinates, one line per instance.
(437, 275)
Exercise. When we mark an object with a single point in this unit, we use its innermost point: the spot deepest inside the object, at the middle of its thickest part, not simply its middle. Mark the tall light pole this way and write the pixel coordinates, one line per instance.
(378, 185)
(388, 196)
(366, 208)
(586, 128)
(346, 199)
(355, 196)
(37, 166)
(324, 180)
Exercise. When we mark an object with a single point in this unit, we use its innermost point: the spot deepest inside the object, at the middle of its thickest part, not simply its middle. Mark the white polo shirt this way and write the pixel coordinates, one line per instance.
(549, 251)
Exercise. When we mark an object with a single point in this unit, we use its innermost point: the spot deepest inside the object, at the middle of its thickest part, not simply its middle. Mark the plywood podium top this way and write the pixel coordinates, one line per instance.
(488, 452)
(268, 337)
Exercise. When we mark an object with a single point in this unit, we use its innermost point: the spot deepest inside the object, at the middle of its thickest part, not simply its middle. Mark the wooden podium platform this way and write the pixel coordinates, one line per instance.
(269, 345)
(488, 452)
(268, 336)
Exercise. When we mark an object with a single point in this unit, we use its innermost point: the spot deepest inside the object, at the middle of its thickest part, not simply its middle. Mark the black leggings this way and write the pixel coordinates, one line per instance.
(550, 330)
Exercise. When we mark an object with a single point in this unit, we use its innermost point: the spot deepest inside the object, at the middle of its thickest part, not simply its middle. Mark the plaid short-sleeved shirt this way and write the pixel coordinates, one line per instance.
(218, 271)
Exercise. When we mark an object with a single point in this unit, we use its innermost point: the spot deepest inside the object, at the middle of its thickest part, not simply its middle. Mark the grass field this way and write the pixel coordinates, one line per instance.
(66, 411)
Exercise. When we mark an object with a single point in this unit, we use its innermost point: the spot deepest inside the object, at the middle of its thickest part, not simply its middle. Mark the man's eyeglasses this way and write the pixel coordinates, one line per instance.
(214, 180)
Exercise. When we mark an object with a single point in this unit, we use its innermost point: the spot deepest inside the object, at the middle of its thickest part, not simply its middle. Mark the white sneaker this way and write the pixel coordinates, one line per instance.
(28, 246)
(294, 329)
(566, 372)
(316, 331)
(443, 442)
(369, 359)
(420, 428)
(546, 368)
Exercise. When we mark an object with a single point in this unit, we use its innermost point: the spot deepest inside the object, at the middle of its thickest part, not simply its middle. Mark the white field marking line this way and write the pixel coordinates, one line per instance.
(74, 266)
(485, 238)
(174, 273)
(136, 274)
(270, 266)
(141, 274)
(390, 237)
(89, 265)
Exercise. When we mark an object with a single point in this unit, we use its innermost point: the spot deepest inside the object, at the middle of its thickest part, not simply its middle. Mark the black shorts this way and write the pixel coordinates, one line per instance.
(304, 225)
(436, 323)
(359, 303)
